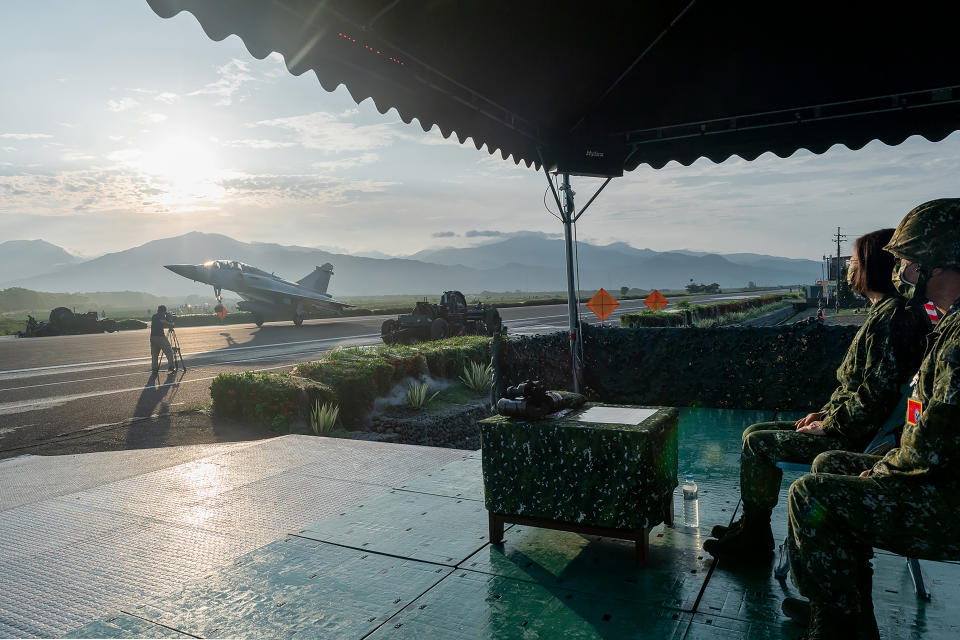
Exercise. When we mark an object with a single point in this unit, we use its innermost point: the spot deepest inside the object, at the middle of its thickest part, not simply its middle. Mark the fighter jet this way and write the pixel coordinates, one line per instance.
(265, 295)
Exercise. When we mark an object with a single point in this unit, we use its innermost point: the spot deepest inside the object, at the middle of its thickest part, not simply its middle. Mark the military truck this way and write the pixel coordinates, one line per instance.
(63, 321)
(452, 317)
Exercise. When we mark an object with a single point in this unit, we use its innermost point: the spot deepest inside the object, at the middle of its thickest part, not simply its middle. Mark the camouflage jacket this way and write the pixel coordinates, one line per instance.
(884, 355)
(930, 449)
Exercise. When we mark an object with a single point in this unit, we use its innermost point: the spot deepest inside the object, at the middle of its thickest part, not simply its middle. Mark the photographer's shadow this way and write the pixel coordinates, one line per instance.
(155, 398)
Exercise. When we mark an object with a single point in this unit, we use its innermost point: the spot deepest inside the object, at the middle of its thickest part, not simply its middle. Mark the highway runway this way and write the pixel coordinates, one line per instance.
(63, 386)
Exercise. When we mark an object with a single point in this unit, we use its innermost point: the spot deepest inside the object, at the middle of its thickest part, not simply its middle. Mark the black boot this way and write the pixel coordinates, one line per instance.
(751, 542)
(719, 530)
(796, 609)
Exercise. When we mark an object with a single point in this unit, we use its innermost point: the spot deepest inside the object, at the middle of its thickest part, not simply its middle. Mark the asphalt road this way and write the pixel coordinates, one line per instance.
(60, 386)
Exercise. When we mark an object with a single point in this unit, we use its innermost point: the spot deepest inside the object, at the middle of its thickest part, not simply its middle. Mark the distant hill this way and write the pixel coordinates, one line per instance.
(16, 300)
(25, 258)
(525, 263)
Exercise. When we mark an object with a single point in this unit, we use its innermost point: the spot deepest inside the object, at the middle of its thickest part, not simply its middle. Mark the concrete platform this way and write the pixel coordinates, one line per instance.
(313, 537)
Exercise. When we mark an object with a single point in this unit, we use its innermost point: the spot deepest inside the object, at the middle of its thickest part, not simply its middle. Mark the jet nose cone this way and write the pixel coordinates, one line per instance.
(185, 270)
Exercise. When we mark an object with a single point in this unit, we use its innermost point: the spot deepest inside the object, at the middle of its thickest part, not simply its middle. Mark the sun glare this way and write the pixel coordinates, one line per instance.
(185, 169)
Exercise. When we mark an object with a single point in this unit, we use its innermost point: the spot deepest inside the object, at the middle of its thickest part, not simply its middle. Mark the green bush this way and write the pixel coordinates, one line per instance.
(418, 395)
(360, 375)
(273, 399)
(323, 418)
(651, 319)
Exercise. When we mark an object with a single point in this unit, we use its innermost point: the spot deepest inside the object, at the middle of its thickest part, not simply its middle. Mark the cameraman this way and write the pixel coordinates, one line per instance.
(158, 340)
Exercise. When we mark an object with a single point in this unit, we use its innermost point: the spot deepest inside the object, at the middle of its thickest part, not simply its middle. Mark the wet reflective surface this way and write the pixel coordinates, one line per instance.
(389, 541)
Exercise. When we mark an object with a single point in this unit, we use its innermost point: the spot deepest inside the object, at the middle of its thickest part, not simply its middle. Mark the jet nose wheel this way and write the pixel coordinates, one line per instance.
(298, 320)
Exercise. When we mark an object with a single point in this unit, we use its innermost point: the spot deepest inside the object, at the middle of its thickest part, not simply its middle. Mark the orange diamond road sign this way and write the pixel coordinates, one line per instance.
(656, 301)
(602, 304)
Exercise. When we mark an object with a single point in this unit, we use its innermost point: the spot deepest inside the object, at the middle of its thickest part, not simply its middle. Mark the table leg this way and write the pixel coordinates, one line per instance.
(643, 547)
(496, 528)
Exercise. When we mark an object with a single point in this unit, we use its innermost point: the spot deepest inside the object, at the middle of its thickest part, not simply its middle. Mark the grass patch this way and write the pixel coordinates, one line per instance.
(273, 399)
(737, 317)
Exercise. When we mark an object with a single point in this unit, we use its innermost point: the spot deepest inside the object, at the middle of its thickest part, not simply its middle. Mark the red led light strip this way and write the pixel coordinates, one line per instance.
(371, 49)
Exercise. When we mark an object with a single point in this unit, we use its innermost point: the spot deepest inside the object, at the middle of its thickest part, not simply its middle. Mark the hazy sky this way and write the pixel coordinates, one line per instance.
(118, 127)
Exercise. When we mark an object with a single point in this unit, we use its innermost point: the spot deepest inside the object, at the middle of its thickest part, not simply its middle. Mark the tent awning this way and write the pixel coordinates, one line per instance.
(599, 89)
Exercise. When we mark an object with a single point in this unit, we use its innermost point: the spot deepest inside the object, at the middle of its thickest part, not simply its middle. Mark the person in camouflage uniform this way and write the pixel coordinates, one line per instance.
(907, 501)
(884, 354)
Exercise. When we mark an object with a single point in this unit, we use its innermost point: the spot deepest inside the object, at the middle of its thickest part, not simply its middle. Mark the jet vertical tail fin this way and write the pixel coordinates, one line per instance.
(318, 280)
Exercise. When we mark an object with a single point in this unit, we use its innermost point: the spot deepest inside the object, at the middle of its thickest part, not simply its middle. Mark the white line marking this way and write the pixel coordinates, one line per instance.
(195, 353)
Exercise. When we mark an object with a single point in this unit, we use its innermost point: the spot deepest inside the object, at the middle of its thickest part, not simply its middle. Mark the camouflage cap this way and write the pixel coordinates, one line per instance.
(929, 234)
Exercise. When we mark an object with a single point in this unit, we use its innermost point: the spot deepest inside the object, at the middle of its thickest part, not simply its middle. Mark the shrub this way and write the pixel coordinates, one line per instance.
(477, 377)
(417, 395)
(651, 319)
(359, 375)
(323, 417)
(273, 399)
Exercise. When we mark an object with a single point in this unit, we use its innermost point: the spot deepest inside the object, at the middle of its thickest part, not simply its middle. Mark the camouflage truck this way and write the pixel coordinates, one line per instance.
(63, 321)
(452, 317)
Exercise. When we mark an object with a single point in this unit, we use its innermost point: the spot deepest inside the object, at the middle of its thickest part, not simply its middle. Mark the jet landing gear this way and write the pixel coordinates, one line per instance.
(258, 320)
(298, 320)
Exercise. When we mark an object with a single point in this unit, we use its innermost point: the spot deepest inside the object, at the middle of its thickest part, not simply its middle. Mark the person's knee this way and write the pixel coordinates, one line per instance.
(822, 463)
(756, 444)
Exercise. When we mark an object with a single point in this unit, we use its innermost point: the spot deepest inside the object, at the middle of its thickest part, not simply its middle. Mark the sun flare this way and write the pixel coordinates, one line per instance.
(185, 169)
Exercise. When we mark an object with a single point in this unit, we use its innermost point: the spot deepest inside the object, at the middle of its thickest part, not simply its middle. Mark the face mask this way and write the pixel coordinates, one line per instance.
(914, 292)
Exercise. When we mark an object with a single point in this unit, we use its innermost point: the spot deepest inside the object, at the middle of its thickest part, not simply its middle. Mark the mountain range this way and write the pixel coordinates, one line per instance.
(524, 262)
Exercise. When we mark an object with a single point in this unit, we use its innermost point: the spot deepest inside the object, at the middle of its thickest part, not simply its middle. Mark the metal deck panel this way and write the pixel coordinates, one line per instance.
(604, 567)
(29, 479)
(295, 588)
(457, 479)
(419, 526)
(481, 606)
(124, 626)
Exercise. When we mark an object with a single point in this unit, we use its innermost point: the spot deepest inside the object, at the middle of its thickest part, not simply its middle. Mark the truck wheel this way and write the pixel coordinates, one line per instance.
(439, 329)
(387, 330)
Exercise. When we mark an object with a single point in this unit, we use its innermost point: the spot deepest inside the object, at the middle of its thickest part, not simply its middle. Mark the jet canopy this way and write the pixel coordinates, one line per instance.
(233, 265)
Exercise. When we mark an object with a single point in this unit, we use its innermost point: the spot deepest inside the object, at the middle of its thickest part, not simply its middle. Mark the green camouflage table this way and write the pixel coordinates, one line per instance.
(602, 470)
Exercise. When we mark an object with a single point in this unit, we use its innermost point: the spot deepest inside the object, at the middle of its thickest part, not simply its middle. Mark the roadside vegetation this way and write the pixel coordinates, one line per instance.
(712, 315)
(350, 379)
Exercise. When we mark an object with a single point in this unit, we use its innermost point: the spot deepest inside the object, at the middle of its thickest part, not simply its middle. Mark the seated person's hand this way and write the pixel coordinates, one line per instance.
(813, 417)
(866, 474)
(815, 428)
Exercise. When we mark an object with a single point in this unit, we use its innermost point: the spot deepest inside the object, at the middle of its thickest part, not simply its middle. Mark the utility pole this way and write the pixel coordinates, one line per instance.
(839, 237)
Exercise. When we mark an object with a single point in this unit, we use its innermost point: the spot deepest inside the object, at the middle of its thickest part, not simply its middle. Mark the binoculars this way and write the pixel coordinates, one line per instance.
(529, 400)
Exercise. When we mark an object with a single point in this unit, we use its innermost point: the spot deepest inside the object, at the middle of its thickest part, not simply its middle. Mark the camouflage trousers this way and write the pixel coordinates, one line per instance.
(158, 344)
(835, 518)
(764, 445)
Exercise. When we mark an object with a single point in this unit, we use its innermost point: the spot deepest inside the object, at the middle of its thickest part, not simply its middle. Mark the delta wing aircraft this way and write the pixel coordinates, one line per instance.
(266, 295)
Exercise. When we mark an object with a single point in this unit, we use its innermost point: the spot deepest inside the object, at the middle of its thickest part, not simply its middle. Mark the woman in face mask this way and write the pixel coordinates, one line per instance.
(884, 354)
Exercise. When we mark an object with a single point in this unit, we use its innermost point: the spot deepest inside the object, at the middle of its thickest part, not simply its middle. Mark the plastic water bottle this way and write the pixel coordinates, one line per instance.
(691, 508)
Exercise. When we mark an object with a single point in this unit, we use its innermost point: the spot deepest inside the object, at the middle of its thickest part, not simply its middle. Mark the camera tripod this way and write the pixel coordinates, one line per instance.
(175, 349)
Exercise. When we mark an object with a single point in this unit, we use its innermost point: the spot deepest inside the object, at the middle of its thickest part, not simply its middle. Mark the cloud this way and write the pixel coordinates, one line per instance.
(8, 149)
(331, 133)
(123, 104)
(484, 234)
(233, 76)
(166, 97)
(443, 234)
(346, 163)
(76, 156)
(153, 118)
(249, 143)
(24, 136)
(69, 192)
(269, 189)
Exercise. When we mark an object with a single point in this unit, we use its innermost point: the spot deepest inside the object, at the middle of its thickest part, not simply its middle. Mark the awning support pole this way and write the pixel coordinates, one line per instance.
(568, 211)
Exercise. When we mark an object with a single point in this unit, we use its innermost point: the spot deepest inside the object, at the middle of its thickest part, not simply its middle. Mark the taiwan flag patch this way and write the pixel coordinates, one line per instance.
(914, 410)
